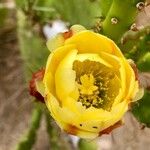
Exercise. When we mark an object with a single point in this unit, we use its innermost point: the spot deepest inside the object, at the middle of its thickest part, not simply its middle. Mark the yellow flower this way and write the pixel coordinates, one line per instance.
(88, 83)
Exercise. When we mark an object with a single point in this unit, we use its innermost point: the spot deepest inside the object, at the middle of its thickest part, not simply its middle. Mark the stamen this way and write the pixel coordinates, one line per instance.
(94, 80)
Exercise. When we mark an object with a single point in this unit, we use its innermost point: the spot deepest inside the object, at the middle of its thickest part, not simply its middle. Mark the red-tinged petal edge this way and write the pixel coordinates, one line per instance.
(71, 129)
(38, 76)
(109, 129)
(67, 34)
(135, 69)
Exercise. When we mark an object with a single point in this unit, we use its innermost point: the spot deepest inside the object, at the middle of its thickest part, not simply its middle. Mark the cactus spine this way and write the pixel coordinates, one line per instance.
(120, 18)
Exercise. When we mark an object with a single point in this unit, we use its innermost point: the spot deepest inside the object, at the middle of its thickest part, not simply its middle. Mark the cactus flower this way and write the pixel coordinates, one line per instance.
(88, 83)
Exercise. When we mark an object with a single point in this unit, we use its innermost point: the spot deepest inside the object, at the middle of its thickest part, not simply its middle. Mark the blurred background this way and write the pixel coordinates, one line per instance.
(25, 25)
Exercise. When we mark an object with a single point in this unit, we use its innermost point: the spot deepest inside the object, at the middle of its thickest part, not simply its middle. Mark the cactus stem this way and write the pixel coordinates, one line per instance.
(125, 12)
(131, 35)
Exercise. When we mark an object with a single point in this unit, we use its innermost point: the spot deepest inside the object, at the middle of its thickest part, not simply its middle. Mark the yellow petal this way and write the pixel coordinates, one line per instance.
(40, 87)
(94, 125)
(65, 76)
(49, 83)
(55, 42)
(77, 28)
(87, 134)
(58, 40)
(130, 80)
(112, 60)
(97, 125)
(63, 115)
(52, 63)
(90, 42)
(61, 89)
(56, 57)
(137, 93)
(93, 57)
(119, 69)
(54, 108)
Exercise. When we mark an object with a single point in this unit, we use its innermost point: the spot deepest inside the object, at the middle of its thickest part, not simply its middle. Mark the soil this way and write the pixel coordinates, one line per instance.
(15, 102)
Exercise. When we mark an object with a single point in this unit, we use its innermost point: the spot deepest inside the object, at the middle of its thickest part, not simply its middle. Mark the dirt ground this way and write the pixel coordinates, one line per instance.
(16, 106)
(15, 102)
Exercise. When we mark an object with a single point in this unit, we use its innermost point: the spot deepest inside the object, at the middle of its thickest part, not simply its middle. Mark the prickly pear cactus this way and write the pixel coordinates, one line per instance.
(114, 18)
(120, 18)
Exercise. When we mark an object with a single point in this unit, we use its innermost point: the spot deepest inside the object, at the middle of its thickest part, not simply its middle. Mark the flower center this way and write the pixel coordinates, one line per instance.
(87, 86)
(95, 84)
